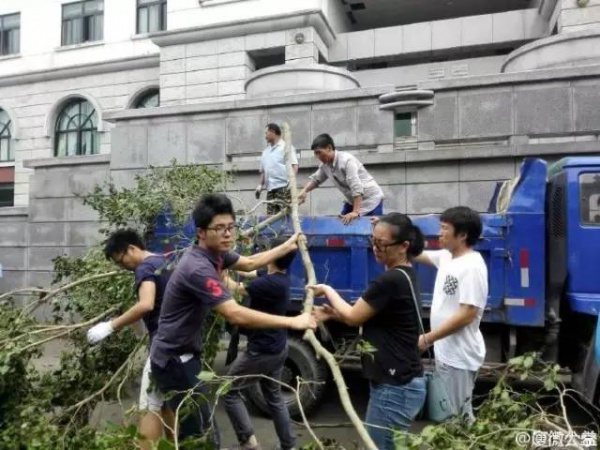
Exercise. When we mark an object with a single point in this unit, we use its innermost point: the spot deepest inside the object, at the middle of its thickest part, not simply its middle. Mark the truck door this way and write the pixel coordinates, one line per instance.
(583, 241)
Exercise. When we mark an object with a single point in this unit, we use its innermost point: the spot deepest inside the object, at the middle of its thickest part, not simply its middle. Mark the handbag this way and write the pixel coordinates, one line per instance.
(437, 403)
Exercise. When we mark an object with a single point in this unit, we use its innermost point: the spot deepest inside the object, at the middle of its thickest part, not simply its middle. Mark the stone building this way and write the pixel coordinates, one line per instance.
(440, 99)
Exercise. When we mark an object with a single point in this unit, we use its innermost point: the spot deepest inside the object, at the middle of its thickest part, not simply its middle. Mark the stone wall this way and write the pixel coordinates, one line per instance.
(544, 107)
(58, 222)
(13, 248)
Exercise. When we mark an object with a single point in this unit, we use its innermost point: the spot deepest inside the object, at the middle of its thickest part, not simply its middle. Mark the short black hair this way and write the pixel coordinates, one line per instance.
(120, 240)
(209, 206)
(322, 141)
(285, 261)
(403, 230)
(274, 128)
(464, 220)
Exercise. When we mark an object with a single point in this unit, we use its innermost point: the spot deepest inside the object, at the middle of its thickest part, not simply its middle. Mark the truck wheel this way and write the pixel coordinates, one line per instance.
(302, 362)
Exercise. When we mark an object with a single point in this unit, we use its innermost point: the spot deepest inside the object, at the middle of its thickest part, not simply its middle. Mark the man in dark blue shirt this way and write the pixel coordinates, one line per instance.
(126, 248)
(265, 354)
(195, 288)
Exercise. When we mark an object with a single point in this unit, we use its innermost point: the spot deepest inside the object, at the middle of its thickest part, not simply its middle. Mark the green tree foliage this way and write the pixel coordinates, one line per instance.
(51, 409)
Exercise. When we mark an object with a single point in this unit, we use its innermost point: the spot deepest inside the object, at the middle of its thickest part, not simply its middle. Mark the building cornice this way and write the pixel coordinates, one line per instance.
(117, 65)
(452, 154)
(237, 105)
(66, 161)
(512, 78)
(14, 211)
(307, 18)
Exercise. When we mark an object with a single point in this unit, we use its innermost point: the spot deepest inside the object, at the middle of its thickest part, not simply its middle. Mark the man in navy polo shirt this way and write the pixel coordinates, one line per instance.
(194, 289)
(265, 354)
(126, 249)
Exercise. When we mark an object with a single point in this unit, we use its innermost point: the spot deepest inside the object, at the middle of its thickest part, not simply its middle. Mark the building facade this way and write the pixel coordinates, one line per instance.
(440, 99)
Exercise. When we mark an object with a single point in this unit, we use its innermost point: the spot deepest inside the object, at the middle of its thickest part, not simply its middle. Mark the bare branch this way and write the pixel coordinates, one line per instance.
(109, 383)
(309, 335)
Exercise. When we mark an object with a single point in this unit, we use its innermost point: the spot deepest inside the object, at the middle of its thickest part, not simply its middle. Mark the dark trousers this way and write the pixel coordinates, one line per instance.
(281, 198)
(251, 363)
(175, 380)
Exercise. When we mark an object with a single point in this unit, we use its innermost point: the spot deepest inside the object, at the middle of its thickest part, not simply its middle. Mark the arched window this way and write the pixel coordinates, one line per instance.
(6, 152)
(149, 99)
(77, 130)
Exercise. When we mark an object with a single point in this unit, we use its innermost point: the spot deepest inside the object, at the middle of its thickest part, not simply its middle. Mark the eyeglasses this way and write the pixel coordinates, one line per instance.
(382, 245)
(222, 229)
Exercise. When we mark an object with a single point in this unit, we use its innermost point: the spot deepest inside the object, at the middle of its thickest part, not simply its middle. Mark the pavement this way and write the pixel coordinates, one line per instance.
(329, 421)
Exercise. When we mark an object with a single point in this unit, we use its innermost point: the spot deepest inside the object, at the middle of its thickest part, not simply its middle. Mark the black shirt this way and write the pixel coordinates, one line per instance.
(393, 330)
(269, 294)
(154, 269)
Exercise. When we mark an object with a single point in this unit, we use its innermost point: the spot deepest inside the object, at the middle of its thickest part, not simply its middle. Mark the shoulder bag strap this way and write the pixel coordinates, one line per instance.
(417, 308)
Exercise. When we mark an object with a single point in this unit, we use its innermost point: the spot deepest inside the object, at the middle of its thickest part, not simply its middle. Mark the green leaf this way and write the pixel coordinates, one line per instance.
(516, 361)
(224, 388)
(206, 376)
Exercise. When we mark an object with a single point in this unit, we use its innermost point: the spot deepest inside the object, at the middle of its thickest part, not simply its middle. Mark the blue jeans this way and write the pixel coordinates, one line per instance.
(393, 407)
(378, 211)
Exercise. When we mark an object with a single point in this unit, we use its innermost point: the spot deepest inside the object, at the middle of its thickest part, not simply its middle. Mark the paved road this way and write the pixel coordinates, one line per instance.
(329, 413)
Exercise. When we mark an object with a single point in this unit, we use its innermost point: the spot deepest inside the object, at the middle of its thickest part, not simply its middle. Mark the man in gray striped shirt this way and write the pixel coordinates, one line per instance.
(363, 195)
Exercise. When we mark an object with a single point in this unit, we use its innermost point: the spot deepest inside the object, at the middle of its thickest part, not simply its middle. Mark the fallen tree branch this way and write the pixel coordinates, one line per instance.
(68, 331)
(309, 335)
(53, 293)
(324, 425)
(112, 379)
(303, 414)
(296, 392)
(265, 223)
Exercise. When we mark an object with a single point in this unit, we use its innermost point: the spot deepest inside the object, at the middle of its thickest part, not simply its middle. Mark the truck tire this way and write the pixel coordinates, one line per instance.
(302, 362)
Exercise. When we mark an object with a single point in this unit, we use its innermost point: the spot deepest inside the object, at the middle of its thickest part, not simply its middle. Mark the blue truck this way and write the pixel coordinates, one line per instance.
(541, 236)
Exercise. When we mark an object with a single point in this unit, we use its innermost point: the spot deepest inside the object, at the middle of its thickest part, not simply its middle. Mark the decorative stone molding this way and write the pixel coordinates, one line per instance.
(576, 48)
(302, 19)
(291, 79)
(406, 100)
(81, 70)
(245, 104)
(80, 160)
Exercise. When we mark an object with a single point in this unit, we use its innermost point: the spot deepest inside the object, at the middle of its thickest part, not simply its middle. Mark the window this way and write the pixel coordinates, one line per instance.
(77, 130)
(10, 34)
(6, 153)
(404, 125)
(589, 194)
(7, 186)
(150, 99)
(7, 194)
(151, 16)
(82, 22)
(267, 57)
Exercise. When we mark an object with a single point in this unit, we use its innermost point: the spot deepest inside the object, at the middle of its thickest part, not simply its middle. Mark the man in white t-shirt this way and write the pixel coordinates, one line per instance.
(459, 298)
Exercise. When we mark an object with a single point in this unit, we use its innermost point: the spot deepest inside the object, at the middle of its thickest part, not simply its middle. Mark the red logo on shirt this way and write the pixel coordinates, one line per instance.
(214, 287)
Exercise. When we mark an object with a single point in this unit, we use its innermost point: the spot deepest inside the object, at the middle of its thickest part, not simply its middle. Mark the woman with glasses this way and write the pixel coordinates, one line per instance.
(390, 324)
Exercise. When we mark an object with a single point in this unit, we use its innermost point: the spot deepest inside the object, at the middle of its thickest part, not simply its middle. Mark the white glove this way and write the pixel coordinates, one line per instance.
(99, 332)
